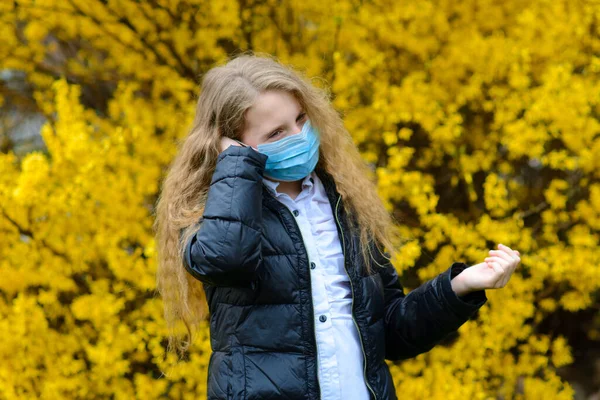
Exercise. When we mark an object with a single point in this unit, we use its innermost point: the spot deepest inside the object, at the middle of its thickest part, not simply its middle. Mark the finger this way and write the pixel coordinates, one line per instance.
(503, 279)
(499, 267)
(510, 253)
(507, 276)
(502, 254)
(509, 272)
(509, 265)
(508, 250)
(498, 270)
(505, 263)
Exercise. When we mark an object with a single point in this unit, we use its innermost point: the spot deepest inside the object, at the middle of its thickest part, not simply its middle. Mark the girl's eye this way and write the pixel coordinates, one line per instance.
(300, 117)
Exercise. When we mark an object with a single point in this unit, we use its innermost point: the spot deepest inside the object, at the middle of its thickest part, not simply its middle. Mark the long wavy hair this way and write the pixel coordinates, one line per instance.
(227, 92)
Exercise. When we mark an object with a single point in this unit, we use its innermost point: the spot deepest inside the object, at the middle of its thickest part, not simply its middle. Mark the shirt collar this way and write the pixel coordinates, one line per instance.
(307, 183)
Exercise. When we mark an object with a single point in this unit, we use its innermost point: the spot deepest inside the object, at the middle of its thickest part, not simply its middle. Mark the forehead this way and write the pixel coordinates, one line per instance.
(270, 109)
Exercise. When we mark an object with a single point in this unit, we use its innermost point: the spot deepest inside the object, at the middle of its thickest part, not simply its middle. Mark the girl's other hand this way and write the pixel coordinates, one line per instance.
(493, 273)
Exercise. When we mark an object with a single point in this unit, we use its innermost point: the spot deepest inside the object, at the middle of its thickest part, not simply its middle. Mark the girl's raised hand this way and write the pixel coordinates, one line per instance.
(493, 273)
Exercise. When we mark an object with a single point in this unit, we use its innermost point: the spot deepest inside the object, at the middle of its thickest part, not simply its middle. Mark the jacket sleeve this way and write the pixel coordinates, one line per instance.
(226, 249)
(417, 321)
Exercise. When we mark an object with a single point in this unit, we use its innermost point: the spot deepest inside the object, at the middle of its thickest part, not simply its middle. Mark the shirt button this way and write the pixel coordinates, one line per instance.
(322, 318)
(313, 265)
(296, 212)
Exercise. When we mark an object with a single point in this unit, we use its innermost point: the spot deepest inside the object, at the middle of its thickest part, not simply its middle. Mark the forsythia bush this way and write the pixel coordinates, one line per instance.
(480, 119)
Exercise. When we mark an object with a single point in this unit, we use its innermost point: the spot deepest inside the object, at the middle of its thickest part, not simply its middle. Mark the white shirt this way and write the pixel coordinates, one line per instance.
(339, 352)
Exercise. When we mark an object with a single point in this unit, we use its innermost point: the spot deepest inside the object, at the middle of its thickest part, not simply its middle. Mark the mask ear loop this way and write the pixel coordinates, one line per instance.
(245, 145)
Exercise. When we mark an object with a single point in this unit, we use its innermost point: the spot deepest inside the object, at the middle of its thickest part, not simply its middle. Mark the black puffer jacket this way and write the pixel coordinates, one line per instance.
(250, 255)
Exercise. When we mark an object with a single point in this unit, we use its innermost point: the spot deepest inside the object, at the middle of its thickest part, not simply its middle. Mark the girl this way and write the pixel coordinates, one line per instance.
(268, 214)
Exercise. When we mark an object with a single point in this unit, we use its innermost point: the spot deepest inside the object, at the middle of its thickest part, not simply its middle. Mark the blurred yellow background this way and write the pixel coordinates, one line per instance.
(480, 120)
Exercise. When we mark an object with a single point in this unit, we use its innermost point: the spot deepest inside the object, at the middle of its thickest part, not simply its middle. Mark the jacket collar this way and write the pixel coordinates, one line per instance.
(326, 178)
(333, 195)
(271, 185)
(328, 183)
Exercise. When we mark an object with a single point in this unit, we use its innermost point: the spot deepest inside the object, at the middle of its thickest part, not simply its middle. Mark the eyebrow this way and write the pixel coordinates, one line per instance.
(280, 126)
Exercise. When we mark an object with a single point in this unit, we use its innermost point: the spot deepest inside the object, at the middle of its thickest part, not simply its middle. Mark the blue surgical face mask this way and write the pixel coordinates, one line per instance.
(293, 157)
